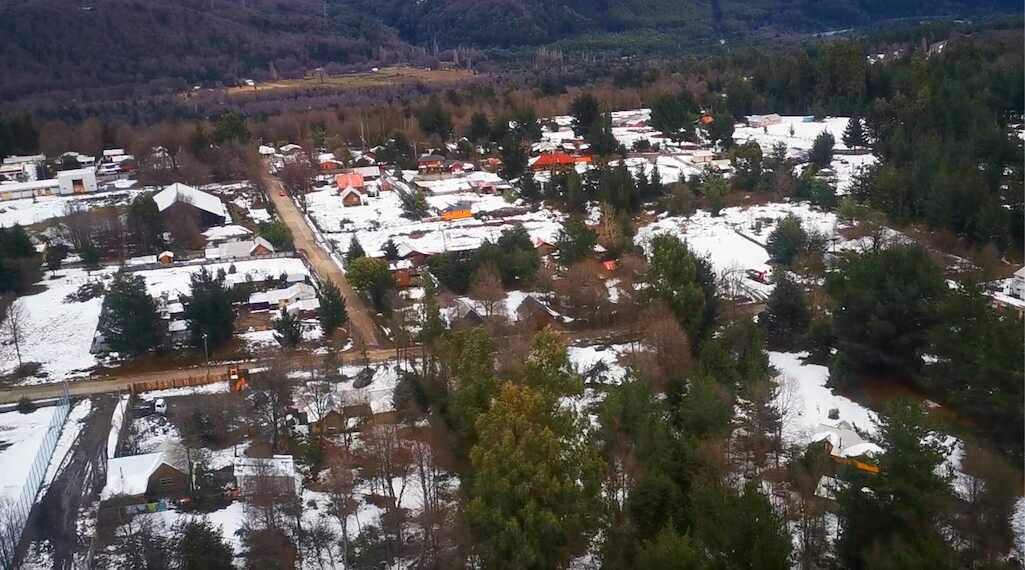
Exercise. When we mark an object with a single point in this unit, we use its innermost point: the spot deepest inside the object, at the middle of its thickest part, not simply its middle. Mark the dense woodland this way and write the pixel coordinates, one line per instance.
(666, 470)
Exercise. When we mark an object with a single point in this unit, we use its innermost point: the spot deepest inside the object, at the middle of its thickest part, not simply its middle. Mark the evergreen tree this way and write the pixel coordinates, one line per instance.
(821, 153)
(473, 385)
(90, 256)
(585, 111)
(787, 240)
(480, 128)
(434, 119)
(685, 283)
(747, 165)
(231, 128)
(129, 321)
(536, 484)
(886, 301)
(714, 189)
(145, 221)
(575, 241)
(288, 329)
(208, 309)
(332, 312)
(786, 315)
(600, 137)
(854, 134)
(514, 158)
(673, 551)
(372, 278)
(201, 546)
(55, 254)
(354, 252)
(528, 186)
(742, 530)
(900, 508)
(391, 250)
(674, 115)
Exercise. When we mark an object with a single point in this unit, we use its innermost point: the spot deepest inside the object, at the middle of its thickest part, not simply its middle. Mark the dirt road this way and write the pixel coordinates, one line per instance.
(361, 320)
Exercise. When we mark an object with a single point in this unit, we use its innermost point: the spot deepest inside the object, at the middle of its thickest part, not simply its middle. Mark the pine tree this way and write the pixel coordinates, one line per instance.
(208, 310)
(288, 329)
(332, 312)
(354, 252)
(390, 249)
(787, 240)
(786, 315)
(129, 321)
(201, 546)
(536, 488)
(575, 241)
(854, 134)
(821, 153)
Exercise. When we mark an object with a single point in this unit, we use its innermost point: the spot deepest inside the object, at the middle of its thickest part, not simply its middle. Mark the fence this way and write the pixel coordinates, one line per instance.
(15, 520)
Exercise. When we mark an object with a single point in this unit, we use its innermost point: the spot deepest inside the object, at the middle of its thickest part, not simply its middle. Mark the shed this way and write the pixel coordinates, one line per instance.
(136, 478)
(267, 476)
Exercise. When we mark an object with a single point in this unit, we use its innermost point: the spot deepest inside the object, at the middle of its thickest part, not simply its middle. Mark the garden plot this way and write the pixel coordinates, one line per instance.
(21, 436)
(30, 211)
(56, 333)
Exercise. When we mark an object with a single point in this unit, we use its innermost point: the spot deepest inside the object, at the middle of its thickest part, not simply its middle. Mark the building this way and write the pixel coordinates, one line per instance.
(181, 199)
(760, 121)
(267, 476)
(1017, 288)
(558, 161)
(281, 298)
(847, 447)
(353, 197)
(138, 479)
(433, 164)
(235, 249)
(77, 181)
(369, 173)
(402, 272)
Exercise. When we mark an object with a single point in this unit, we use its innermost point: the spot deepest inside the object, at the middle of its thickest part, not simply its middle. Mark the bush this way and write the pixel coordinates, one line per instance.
(26, 406)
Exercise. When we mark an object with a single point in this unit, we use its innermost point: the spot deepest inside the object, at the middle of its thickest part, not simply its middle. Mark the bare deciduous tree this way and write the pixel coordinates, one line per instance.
(487, 288)
(15, 317)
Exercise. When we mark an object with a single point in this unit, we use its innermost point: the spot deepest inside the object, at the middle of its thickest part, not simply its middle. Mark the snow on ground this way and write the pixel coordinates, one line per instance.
(807, 400)
(30, 211)
(381, 219)
(21, 436)
(56, 334)
(265, 339)
(116, 423)
(1018, 525)
(805, 130)
(72, 427)
(175, 280)
(596, 357)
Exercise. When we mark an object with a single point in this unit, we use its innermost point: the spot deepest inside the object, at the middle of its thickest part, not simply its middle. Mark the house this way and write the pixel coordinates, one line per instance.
(329, 165)
(760, 121)
(255, 247)
(436, 164)
(353, 197)
(281, 298)
(267, 476)
(349, 180)
(1017, 288)
(369, 173)
(491, 164)
(138, 479)
(220, 234)
(847, 447)
(181, 199)
(402, 272)
(456, 213)
(535, 313)
(166, 257)
(558, 161)
(544, 248)
(77, 181)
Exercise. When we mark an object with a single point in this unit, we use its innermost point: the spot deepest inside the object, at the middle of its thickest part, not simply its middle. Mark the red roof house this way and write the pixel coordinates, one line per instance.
(558, 160)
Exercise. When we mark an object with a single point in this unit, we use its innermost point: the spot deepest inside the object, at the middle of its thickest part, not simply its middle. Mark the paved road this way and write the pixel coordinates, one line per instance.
(361, 321)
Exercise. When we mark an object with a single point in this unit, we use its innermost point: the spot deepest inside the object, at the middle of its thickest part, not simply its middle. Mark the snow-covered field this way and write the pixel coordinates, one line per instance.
(21, 436)
(176, 280)
(55, 333)
(28, 211)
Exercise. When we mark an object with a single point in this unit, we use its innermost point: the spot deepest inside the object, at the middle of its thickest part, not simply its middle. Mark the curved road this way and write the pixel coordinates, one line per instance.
(361, 319)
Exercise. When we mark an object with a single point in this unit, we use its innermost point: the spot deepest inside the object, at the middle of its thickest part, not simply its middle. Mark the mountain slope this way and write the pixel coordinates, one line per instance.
(60, 46)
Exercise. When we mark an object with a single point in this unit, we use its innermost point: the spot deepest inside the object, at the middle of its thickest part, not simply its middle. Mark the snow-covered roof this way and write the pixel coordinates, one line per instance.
(248, 470)
(179, 192)
(266, 150)
(238, 248)
(844, 441)
(229, 231)
(298, 291)
(129, 476)
(1020, 274)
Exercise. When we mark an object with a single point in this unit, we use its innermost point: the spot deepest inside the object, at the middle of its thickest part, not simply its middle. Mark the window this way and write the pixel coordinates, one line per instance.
(166, 481)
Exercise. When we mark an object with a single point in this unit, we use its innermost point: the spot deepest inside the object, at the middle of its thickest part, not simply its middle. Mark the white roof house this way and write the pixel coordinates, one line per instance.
(1018, 284)
(225, 233)
(844, 441)
(179, 192)
(288, 296)
(262, 475)
(240, 248)
(130, 476)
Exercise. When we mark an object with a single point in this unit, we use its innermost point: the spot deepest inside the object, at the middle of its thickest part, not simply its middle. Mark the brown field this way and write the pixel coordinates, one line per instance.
(385, 77)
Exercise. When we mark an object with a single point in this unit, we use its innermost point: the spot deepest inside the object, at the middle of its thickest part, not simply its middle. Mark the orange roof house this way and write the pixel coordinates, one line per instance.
(557, 160)
(349, 180)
